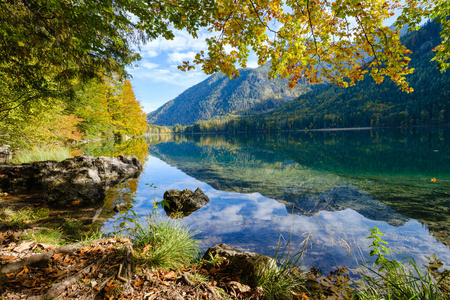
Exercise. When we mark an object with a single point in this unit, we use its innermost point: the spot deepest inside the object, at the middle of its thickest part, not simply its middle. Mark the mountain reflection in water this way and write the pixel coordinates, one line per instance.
(326, 189)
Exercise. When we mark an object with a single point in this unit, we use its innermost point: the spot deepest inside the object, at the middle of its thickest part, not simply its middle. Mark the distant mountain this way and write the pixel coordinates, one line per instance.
(371, 104)
(218, 96)
(366, 104)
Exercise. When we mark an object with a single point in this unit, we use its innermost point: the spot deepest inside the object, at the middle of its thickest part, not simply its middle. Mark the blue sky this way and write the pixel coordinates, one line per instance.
(156, 78)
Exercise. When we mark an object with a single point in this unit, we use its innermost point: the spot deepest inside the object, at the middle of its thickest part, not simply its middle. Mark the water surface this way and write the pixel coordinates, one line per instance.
(324, 190)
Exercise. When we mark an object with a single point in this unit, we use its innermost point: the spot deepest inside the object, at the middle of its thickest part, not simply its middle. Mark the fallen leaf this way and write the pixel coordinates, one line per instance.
(170, 276)
(24, 271)
(24, 246)
(165, 283)
(97, 288)
(110, 287)
(9, 275)
(113, 266)
(76, 202)
(57, 256)
(213, 271)
(8, 258)
(49, 270)
(29, 283)
(138, 283)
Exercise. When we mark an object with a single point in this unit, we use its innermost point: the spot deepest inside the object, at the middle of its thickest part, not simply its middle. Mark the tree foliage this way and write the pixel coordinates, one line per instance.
(45, 44)
(364, 105)
(338, 41)
(50, 50)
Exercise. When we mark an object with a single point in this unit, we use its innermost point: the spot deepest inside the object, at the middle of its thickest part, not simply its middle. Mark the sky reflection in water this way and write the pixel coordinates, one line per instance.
(257, 223)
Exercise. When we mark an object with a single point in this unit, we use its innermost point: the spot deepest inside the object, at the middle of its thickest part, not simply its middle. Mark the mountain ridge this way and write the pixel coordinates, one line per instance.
(218, 96)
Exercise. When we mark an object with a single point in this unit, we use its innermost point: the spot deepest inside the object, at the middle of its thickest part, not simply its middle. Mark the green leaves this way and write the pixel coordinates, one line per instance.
(378, 249)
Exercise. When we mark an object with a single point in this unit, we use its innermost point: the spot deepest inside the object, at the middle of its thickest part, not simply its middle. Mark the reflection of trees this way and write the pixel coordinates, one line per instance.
(301, 168)
(135, 146)
(120, 197)
(153, 139)
(123, 195)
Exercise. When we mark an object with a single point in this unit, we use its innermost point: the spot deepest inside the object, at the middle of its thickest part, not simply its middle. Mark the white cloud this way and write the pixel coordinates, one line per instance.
(252, 64)
(182, 42)
(149, 53)
(149, 65)
(179, 57)
(170, 75)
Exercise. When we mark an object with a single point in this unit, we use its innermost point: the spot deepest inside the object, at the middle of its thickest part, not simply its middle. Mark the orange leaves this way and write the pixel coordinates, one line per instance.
(170, 276)
(25, 270)
(313, 40)
(68, 127)
(138, 283)
(110, 286)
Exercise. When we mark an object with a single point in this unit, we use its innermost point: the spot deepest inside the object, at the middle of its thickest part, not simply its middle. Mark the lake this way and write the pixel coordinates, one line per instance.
(320, 190)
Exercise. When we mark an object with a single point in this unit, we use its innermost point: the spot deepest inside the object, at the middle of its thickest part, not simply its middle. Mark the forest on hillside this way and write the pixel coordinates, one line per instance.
(365, 104)
(97, 109)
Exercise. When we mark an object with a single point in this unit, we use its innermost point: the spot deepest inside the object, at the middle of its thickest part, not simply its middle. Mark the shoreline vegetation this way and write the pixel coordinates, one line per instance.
(80, 263)
(161, 260)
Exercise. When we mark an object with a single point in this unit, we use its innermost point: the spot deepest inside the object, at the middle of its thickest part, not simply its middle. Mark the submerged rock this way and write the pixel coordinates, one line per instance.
(82, 180)
(183, 203)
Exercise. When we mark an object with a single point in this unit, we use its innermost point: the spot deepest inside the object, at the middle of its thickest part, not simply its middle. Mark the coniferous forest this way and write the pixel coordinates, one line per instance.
(363, 105)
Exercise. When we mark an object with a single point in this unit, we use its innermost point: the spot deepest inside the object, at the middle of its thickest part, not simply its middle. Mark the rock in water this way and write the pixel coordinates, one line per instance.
(83, 179)
(183, 203)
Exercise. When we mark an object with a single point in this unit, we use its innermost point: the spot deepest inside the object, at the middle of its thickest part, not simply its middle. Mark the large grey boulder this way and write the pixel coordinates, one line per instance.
(248, 264)
(83, 179)
(183, 203)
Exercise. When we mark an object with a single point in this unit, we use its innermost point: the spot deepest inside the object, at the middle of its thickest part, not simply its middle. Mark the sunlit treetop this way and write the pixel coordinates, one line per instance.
(47, 44)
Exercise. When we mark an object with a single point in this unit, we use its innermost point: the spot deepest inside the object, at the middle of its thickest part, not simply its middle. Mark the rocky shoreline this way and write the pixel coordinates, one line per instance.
(82, 180)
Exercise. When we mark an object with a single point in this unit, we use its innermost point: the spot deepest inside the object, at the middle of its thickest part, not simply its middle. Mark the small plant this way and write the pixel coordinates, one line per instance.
(166, 244)
(392, 279)
(284, 280)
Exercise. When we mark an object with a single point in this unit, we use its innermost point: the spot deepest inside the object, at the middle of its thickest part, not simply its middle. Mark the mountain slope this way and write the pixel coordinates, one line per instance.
(219, 96)
(365, 104)
(371, 104)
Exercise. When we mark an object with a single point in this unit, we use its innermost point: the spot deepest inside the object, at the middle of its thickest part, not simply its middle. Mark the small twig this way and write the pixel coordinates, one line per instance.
(118, 274)
(187, 280)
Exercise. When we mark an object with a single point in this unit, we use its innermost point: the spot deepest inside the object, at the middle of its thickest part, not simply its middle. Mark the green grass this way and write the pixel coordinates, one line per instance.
(41, 154)
(51, 236)
(401, 280)
(23, 216)
(280, 281)
(398, 280)
(166, 244)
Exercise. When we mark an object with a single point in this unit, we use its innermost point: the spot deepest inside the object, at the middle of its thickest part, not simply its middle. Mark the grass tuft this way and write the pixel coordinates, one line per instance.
(23, 216)
(41, 154)
(51, 236)
(166, 244)
(284, 280)
(400, 280)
